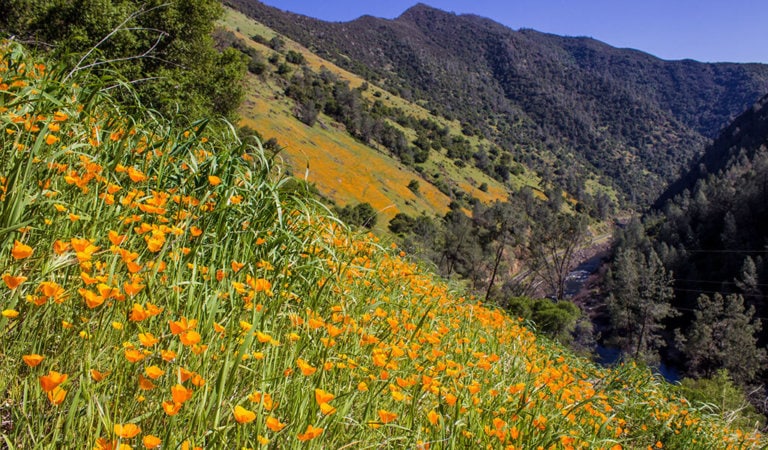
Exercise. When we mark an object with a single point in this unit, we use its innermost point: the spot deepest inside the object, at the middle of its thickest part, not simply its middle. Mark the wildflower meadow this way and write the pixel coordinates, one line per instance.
(167, 286)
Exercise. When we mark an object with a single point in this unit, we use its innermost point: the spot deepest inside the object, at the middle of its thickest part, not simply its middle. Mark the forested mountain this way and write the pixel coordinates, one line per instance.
(742, 138)
(710, 236)
(565, 106)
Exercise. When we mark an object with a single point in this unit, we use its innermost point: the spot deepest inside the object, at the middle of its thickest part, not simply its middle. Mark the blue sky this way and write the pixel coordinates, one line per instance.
(704, 30)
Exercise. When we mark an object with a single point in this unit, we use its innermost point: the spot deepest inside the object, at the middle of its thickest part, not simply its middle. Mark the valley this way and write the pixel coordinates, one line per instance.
(225, 225)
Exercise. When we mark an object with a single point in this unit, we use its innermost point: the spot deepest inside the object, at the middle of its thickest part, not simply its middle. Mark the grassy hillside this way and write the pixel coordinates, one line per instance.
(344, 169)
(169, 288)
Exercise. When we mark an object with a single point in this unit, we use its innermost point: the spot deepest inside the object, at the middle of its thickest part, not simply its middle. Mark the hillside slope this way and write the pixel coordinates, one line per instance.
(167, 287)
(566, 106)
(710, 229)
(342, 166)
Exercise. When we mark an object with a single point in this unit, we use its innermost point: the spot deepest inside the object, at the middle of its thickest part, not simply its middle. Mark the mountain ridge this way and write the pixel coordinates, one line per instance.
(560, 104)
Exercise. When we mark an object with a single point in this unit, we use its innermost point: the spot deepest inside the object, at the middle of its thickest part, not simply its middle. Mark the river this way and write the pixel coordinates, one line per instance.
(580, 288)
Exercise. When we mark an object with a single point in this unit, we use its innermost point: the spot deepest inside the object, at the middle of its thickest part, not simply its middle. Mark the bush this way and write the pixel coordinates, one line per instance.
(360, 215)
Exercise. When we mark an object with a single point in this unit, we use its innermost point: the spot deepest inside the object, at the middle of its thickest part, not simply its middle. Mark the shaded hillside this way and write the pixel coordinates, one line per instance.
(714, 229)
(744, 137)
(566, 106)
(710, 233)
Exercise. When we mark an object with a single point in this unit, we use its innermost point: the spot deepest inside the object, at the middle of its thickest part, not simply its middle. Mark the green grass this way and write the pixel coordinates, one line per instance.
(170, 286)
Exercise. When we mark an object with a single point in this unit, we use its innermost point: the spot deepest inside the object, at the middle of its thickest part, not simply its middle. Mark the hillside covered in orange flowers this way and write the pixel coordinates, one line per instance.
(168, 287)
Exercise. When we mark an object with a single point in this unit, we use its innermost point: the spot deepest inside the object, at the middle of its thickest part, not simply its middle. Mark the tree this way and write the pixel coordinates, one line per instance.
(295, 57)
(553, 248)
(748, 281)
(555, 319)
(639, 301)
(460, 251)
(164, 48)
(361, 215)
(724, 335)
(504, 228)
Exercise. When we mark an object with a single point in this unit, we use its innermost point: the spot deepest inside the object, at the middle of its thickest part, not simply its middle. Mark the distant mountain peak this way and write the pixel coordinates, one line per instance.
(422, 10)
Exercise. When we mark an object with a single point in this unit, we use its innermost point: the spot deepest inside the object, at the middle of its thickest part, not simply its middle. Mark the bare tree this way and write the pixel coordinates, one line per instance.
(553, 247)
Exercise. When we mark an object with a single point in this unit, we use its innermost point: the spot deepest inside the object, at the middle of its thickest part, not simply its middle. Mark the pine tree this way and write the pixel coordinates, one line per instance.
(641, 291)
(748, 281)
(724, 335)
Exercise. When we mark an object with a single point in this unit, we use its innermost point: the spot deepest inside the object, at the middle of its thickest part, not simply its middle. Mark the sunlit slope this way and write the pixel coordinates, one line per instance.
(343, 168)
(167, 287)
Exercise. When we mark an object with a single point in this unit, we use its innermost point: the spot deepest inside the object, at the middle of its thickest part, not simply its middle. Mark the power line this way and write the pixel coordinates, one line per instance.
(715, 282)
(685, 250)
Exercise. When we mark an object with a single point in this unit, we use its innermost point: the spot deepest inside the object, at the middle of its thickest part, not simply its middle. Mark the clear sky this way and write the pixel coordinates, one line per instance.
(704, 30)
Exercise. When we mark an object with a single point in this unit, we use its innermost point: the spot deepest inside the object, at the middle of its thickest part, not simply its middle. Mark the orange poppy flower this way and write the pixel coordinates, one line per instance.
(327, 409)
(21, 251)
(322, 396)
(13, 282)
(386, 416)
(263, 337)
(181, 325)
(306, 368)
(310, 433)
(56, 396)
(274, 424)
(171, 408)
(136, 175)
(154, 372)
(145, 384)
(127, 431)
(190, 337)
(134, 355)
(98, 376)
(151, 441)
(167, 355)
(181, 394)
(52, 380)
(60, 247)
(243, 415)
(261, 285)
(10, 313)
(148, 339)
(33, 359)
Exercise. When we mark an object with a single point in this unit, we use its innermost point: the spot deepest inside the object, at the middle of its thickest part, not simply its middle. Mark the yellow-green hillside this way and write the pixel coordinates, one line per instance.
(169, 288)
(341, 167)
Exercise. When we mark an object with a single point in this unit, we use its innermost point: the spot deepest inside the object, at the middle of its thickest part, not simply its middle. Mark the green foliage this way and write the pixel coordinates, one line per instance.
(709, 229)
(360, 215)
(554, 245)
(555, 319)
(640, 292)
(295, 57)
(413, 186)
(724, 398)
(205, 310)
(315, 92)
(724, 335)
(164, 48)
(277, 44)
